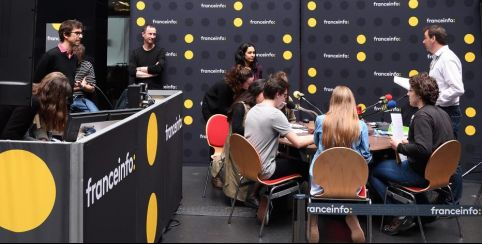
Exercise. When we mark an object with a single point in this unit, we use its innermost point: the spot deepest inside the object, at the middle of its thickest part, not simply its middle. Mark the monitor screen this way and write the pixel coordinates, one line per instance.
(77, 120)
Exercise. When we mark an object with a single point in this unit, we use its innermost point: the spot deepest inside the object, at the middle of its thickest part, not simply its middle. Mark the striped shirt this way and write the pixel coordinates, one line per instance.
(85, 69)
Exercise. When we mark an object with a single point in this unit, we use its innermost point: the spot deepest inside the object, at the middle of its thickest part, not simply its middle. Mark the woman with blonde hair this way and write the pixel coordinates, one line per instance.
(340, 127)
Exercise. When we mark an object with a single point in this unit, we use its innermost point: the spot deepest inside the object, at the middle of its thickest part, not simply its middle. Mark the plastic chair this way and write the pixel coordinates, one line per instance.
(249, 163)
(217, 130)
(342, 173)
(440, 167)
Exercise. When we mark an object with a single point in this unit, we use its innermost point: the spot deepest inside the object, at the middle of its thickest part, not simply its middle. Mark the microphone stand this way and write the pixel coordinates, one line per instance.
(299, 108)
(306, 100)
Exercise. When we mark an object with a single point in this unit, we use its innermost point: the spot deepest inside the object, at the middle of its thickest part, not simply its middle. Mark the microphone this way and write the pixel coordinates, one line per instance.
(390, 105)
(292, 105)
(298, 95)
(382, 100)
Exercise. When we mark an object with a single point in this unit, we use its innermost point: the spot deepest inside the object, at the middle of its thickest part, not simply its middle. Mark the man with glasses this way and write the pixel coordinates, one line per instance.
(147, 62)
(62, 58)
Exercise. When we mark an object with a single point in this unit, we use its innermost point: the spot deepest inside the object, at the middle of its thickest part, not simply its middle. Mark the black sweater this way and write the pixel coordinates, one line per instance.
(430, 128)
(54, 60)
(154, 59)
(217, 100)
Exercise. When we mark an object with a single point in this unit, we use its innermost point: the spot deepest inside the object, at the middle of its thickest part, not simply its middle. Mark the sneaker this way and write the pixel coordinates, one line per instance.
(399, 224)
(263, 207)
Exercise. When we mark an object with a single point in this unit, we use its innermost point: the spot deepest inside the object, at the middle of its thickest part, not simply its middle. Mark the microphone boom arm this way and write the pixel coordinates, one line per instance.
(306, 100)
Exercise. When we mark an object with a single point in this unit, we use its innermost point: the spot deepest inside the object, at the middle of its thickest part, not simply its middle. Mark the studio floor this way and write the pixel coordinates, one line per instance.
(204, 220)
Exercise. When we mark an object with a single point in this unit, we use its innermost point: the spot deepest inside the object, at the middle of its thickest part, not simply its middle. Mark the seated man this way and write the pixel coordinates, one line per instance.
(265, 123)
(430, 128)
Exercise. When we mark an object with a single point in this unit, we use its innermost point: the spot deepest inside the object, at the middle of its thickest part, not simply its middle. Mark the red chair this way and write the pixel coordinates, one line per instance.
(247, 159)
(217, 130)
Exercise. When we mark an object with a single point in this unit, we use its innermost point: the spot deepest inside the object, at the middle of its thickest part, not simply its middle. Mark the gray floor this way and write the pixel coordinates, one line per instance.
(204, 220)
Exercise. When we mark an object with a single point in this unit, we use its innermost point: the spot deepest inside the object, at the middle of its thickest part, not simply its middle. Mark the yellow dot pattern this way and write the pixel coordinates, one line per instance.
(238, 22)
(189, 55)
(287, 55)
(312, 22)
(56, 26)
(151, 219)
(188, 120)
(141, 21)
(361, 56)
(470, 57)
(412, 73)
(361, 39)
(312, 89)
(413, 21)
(311, 5)
(287, 39)
(238, 6)
(188, 38)
(188, 104)
(469, 39)
(312, 72)
(413, 4)
(470, 112)
(140, 5)
(470, 130)
(27, 190)
(152, 139)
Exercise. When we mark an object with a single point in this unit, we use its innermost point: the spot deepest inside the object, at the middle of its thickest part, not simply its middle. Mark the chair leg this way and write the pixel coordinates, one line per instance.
(369, 225)
(421, 229)
(456, 218)
(233, 202)
(384, 202)
(206, 181)
(264, 215)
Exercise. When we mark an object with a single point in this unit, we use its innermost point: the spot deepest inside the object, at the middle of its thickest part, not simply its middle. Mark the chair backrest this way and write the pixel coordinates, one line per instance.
(245, 156)
(217, 129)
(442, 164)
(340, 171)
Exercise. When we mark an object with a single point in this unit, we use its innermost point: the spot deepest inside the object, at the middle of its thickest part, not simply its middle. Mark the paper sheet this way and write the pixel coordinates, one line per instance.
(397, 130)
(403, 82)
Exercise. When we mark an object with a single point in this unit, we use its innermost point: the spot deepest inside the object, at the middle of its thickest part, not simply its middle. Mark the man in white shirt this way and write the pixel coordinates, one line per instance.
(446, 68)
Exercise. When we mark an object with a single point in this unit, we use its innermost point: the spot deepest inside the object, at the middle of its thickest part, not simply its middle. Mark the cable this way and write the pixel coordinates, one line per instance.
(172, 223)
(105, 97)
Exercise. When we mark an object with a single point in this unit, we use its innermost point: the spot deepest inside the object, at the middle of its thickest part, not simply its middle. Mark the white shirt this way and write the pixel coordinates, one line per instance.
(447, 71)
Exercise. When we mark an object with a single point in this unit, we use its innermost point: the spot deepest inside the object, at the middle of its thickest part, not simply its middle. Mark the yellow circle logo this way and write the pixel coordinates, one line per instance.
(188, 38)
(152, 139)
(362, 107)
(141, 21)
(188, 55)
(470, 130)
(470, 57)
(469, 39)
(188, 103)
(238, 6)
(287, 39)
(188, 120)
(361, 39)
(287, 55)
(141, 5)
(312, 22)
(27, 191)
(413, 21)
(312, 89)
(312, 72)
(413, 4)
(151, 219)
(470, 112)
(412, 73)
(311, 5)
(56, 26)
(238, 22)
(361, 56)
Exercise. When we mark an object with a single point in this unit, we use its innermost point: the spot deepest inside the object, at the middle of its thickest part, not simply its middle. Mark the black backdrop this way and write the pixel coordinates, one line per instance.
(361, 44)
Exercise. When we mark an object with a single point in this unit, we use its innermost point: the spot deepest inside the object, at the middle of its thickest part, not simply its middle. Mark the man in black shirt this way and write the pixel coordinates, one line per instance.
(429, 128)
(147, 62)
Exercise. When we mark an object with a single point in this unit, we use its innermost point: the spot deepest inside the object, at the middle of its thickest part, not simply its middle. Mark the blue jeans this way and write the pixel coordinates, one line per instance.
(81, 104)
(391, 171)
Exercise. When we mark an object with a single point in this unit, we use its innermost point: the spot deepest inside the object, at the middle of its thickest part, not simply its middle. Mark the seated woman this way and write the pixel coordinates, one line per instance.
(84, 83)
(49, 108)
(236, 118)
(340, 127)
(430, 128)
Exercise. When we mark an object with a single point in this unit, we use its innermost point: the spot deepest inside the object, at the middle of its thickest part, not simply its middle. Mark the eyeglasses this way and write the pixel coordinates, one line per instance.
(78, 33)
(285, 95)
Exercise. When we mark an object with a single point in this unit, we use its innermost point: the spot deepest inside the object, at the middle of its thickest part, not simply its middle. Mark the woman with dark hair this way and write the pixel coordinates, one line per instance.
(49, 108)
(52, 94)
(246, 57)
(84, 83)
(236, 118)
(430, 127)
(222, 94)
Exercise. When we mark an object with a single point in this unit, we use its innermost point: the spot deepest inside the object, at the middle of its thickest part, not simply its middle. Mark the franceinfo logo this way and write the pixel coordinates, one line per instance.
(98, 189)
(456, 211)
